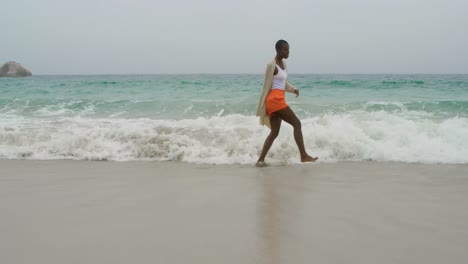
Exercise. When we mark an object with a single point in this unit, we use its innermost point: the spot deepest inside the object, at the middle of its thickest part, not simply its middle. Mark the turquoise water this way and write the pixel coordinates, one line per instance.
(211, 118)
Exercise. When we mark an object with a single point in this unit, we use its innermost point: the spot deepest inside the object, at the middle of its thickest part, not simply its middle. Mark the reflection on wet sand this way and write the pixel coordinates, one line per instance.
(279, 207)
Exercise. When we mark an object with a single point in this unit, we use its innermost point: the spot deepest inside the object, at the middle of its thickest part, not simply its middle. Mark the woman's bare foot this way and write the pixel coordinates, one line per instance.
(260, 164)
(308, 158)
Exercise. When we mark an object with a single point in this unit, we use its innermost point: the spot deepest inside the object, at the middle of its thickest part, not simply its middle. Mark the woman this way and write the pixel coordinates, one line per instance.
(272, 107)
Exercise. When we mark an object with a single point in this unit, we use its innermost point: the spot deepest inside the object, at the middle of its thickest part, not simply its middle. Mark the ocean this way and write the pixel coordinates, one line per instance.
(210, 119)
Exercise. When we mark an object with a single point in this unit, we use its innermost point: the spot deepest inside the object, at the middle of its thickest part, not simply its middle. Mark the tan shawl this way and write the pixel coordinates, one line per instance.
(261, 110)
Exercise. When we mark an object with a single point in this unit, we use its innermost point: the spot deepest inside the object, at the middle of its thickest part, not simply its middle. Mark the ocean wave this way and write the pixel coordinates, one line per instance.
(403, 82)
(343, 83)
(237, 139)
(424, 108)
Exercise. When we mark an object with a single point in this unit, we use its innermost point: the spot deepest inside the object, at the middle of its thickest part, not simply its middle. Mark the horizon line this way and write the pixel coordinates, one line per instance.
(96, 74)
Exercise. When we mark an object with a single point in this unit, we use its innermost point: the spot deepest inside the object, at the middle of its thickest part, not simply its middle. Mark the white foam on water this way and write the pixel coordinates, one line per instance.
(237, 139)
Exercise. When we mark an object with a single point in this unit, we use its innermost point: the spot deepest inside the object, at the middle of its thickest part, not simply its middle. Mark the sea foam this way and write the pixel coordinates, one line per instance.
(237, 139)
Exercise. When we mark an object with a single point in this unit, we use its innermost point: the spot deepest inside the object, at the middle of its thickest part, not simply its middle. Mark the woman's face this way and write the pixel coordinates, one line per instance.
(284, 51)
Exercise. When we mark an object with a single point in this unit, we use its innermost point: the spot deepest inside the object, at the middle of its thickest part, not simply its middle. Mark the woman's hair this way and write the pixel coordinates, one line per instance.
(280, 43)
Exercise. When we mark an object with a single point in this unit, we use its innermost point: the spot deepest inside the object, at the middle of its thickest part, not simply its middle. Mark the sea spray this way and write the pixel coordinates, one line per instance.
(237, 139)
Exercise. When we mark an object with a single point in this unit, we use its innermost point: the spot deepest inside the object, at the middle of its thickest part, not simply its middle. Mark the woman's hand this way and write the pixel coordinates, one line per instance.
(296, 92)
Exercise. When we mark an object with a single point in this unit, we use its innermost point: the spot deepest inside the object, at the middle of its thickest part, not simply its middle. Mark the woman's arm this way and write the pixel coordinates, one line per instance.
(292, 89)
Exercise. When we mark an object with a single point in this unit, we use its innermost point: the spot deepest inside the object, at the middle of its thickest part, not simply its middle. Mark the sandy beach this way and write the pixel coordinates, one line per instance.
(171, 212)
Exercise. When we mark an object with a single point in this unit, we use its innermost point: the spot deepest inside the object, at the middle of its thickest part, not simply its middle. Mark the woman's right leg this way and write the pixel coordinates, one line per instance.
(288, 116)
(275, 122)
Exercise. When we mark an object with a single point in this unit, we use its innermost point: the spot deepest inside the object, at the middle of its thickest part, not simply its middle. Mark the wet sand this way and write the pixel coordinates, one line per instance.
(171, 212)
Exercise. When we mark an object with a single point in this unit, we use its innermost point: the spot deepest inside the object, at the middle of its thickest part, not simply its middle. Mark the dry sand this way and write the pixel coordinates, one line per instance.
(170, 212)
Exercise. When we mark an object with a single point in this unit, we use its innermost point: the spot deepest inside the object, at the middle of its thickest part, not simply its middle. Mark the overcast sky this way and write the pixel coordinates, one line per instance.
(237, 36)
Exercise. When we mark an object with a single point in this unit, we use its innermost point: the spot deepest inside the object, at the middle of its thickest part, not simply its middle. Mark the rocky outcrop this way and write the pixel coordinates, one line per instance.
(13, 69)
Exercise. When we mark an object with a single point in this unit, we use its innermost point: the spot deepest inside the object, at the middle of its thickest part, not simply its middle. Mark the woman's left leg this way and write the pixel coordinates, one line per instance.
(275, 122)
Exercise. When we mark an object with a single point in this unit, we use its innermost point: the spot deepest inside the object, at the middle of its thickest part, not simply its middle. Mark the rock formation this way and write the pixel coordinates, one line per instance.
(13, 69)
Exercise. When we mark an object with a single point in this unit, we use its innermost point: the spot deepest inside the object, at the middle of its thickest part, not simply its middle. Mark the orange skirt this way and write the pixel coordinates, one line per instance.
(275, 101)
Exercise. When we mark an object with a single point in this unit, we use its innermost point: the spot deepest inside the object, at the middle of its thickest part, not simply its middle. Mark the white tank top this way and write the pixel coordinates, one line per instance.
(279, 80)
